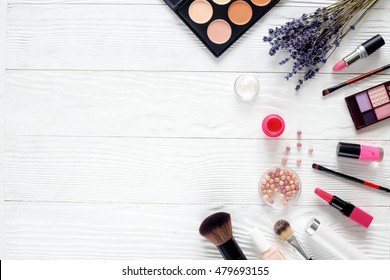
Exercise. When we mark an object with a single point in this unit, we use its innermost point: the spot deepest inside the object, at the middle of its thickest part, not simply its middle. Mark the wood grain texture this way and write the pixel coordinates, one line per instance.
(154, 2)
(122, 133)
(3, 17)
(282, 3)
(179, 171)
(129, 37)
(106, 231)
(174, 104)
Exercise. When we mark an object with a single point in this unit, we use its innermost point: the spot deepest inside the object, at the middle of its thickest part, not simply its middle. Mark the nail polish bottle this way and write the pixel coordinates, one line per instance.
(360, 152)
(268, 252)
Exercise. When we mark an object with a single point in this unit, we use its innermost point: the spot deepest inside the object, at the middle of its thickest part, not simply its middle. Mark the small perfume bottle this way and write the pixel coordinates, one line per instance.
(268, 252)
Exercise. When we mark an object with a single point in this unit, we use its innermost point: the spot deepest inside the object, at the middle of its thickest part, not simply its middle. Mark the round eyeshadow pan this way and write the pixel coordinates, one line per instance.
(221, 2)
(200, 11)
(261, 2)
(219, 31)
(240, 12)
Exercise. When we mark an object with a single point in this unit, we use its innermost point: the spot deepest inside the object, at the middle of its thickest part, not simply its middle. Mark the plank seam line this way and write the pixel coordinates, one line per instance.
(173, 71)
(191, 138)
(164, 204)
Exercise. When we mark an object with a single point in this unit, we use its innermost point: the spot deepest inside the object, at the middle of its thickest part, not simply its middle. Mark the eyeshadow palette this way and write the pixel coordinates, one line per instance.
(370, 106)
(219, 23)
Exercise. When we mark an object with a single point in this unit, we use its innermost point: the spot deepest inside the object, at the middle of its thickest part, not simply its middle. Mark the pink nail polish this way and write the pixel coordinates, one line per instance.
(360, 152)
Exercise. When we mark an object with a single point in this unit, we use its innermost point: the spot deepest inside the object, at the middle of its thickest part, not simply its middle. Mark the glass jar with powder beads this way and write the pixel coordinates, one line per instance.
(280, 187)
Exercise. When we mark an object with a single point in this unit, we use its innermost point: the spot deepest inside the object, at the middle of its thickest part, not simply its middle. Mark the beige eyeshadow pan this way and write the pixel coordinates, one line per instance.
(219, 31)
(221, 2)
(378, 96)
(200, 11)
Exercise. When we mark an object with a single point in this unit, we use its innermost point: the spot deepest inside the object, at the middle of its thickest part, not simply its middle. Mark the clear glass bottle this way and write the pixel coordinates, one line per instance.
(268, 251)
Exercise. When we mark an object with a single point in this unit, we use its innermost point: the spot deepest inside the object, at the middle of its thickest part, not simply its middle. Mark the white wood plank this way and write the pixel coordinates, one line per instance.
(141, 104)
(3, 17)
(182, 171)
(152, 37)
(282, 3)
(104, 231)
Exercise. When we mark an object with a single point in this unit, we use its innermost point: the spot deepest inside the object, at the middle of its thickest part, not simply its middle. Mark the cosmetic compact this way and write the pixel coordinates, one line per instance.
(370, 106)
(280, 187)
(273, 125)
(219, 23)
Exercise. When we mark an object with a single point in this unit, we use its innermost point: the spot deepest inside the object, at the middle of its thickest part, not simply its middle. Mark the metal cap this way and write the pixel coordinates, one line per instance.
(313, 226)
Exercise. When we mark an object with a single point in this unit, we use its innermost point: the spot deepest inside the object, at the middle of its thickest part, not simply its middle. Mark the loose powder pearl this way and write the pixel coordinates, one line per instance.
(299, 144)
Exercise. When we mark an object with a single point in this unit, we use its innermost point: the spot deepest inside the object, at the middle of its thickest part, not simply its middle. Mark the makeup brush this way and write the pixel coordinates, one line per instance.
(217, 228)
(327, 91)
(284, 231)
(345, 176)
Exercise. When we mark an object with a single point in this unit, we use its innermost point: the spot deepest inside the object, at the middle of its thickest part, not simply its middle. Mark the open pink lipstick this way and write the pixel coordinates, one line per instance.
(364, 50)
(340, 65)
(346, 208)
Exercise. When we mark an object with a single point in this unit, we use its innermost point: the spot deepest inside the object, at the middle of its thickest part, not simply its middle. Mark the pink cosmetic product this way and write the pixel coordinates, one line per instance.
(360, 152)
(273, 125)
(370, 106)
(268, 251)
(362, 51)
(346, 208)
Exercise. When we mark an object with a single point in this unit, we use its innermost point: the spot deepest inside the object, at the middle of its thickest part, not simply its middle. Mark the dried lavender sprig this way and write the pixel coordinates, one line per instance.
(312, 39)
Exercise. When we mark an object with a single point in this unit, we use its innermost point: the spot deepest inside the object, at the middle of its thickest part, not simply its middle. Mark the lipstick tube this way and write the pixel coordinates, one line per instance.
(360, 152)
(361, 51)
(332, 242)
(348, 209)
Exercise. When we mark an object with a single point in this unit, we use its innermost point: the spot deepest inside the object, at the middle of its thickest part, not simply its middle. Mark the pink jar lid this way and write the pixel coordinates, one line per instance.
(273, 125)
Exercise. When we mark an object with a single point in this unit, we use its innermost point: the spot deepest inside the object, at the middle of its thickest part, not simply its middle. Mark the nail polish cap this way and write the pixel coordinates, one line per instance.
(258, 238)
(348, 150)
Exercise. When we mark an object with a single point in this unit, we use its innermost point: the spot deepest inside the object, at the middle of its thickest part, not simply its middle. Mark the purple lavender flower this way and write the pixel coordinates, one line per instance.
(311, 39)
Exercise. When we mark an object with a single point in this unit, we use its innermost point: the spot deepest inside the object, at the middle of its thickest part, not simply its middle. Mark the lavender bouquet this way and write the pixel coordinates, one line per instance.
(311, 39)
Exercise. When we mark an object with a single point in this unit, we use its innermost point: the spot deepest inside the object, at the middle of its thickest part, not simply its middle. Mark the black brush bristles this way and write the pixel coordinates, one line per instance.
(217, 228)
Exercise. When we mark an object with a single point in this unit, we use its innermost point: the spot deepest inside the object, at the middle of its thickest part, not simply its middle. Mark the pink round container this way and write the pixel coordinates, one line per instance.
(273, 125)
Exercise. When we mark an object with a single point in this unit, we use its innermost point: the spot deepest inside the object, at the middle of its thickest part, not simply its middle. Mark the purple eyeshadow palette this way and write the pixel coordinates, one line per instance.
(370, 106)
(220, 23)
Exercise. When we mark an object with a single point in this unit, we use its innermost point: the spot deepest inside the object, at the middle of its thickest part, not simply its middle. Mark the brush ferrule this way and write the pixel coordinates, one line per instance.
(231, 251)
(298, 247)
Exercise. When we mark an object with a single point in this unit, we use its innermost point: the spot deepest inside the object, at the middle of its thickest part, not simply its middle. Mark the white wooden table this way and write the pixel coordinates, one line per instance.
(120, 133)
